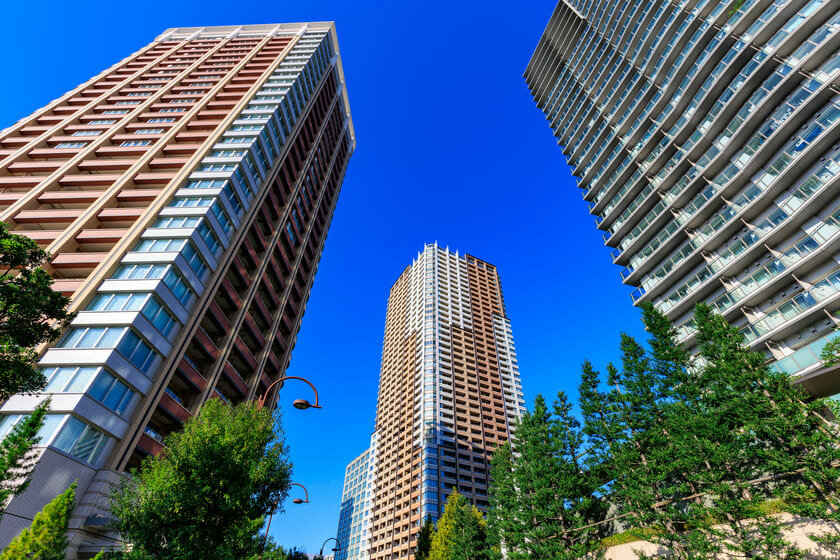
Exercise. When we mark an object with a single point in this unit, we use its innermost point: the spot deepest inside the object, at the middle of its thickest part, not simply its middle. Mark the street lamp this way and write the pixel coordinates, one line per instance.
(336, 549)
(298, 500)
(270, 515)
(301, 404)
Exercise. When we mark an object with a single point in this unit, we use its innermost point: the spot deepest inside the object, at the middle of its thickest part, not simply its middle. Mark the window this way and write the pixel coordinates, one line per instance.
(79, 440)
(141, 271)
(221, 215)
(195, 261)
(160, 245)
(228, 153)
(182, 101)
(126, 103)
(209, 239)
(137, 351)
(103, 121)
(111, 392)
(161, 120)
(192, 202)
(218, 167)
(172, 110)
(87, 133)
(157, 314)
(227, 194)
(9, 421)
(115, 112)
(71, 145)
(206, 184)
(177, 222)
(68, 379)
(92, 337)
(148, 131)
(178, 286)
(118, 301)
(138, 94)
(130, 143)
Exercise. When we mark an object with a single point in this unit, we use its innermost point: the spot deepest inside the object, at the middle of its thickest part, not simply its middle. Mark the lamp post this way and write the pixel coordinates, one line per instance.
(301, 404)
(270, 515)
(336, 549)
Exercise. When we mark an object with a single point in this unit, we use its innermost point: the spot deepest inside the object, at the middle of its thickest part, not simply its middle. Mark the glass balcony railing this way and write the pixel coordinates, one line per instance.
(803, 358)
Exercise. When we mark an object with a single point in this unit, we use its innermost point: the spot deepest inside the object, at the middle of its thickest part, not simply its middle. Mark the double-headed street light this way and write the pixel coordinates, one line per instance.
(301, 404)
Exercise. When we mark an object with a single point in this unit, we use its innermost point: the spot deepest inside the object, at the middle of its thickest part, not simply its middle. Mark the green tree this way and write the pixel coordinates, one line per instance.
(542, 501)
(461, 532)
(830, 353)
(46, 538)
(424, 540)
(30, 312)
(273, 551)
(205, 496)
(16, 455)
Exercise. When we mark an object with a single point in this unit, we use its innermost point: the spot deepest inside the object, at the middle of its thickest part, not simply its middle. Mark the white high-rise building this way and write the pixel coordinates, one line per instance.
(705, 137)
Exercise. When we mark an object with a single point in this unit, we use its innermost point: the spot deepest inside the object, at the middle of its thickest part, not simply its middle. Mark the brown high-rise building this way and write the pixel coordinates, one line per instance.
(449, 391)
(185, 195)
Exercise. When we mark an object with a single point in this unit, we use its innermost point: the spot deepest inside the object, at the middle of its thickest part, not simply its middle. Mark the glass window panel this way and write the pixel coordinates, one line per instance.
(115, 396)
(71, 431)
(100, 387)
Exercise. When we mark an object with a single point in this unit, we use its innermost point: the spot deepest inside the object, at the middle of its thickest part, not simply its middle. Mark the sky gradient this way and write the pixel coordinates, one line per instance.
(450, 148)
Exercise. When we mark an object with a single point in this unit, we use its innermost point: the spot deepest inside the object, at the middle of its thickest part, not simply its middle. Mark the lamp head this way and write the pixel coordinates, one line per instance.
(302, 404)
(297, 501)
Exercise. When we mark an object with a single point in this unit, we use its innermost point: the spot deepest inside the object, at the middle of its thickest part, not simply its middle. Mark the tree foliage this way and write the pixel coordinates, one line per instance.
(17, 458)
(275, 552)
(46, 538)
(30, 312)
(542, 499)
(688, 451)
(424, 540)
(205, 496)
(461, 533)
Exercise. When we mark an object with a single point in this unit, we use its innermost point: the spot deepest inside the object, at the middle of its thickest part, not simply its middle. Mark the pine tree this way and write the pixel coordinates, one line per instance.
(16, 454)
(46, 538)
(760, 428)
(502, 517)
(424, 539)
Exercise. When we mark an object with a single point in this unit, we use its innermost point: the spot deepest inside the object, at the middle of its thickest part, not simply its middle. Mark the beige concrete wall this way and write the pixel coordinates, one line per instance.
(796, 529)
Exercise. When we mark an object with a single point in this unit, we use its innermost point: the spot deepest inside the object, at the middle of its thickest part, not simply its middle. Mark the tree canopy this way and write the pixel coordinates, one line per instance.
(204, 497)
(30, 312)
(46, 538)
(692, 454)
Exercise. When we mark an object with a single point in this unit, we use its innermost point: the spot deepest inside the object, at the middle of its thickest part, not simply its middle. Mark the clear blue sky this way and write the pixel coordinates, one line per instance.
(451, 148)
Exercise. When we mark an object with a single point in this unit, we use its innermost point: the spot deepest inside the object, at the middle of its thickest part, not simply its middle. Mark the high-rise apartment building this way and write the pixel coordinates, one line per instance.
(705, 138)
(356, 500)
(449, 391)
(185, 195)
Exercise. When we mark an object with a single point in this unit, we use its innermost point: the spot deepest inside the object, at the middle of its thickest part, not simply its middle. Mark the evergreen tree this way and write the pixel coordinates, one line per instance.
(46, 538)
(502, 517)
(542, 501)
(205, 496)
(17, 456)
(461, 532)
(424, 539)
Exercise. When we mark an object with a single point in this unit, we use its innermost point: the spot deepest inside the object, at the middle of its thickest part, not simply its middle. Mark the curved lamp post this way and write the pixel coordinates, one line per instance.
(336, 549)
(301, 404)
(270, 515)
(298, 500)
